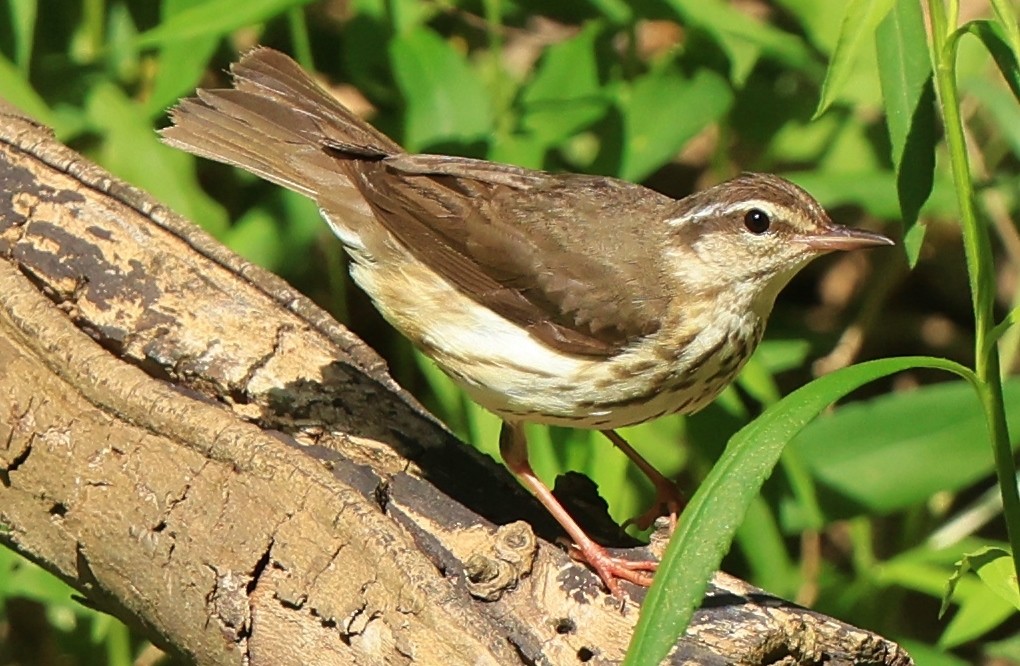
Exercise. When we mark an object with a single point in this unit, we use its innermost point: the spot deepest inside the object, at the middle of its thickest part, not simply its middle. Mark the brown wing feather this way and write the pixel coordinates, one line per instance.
(515, 241)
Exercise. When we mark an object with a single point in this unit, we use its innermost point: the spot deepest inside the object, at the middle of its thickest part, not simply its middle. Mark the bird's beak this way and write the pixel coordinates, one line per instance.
(836, 237)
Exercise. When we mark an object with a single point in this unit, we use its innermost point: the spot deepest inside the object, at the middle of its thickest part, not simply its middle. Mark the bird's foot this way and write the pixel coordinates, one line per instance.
(668, 502)
(613, 569)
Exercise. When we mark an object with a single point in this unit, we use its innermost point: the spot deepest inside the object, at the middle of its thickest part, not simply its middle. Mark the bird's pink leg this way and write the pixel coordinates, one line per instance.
(668, 499)
(514, 448)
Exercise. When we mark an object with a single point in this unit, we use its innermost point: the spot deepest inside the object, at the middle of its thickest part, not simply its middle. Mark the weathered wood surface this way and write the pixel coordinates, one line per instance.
(204, 453)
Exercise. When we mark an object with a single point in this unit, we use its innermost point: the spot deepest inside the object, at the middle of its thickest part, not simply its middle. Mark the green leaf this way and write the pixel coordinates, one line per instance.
(663, 111)
(446, 99)
(213, 18)
(986, 607)
(981, 613)
(908, 92)
(523, 150)
(182, 61)
(1005, 12)
(862, 16)
(23, 20)
(779, 355)
(819, 20)
(619, 12)
(717, 508)
(994, 565)
(565, 94)
(18, 91)
(862, 473)
(743, 38)
(764, 547)
(991, 36)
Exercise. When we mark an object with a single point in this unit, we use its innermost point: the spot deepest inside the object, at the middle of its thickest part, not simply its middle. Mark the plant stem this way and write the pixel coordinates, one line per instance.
(978, 252)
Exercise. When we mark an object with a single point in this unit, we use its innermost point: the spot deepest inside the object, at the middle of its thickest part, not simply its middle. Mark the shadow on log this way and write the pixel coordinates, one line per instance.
(205, 454)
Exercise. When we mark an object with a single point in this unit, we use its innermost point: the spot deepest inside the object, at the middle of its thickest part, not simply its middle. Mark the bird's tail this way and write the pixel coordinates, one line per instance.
(277, 123)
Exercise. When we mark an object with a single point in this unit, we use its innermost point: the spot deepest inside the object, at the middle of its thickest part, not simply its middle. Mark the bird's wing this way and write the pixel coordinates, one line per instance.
(576, 260)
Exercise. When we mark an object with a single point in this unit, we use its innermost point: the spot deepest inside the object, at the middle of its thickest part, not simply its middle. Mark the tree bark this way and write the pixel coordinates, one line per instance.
(203, 453)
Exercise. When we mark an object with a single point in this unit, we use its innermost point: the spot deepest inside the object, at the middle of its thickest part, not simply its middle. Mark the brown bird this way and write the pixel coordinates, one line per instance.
(565, 299)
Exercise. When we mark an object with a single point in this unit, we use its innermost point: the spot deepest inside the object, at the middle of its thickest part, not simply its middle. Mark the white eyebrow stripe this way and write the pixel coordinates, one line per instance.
(723, 209)
(746, 205)
(703, 213)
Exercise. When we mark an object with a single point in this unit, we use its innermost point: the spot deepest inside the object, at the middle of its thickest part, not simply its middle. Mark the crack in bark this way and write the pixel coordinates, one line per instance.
(16, 462)
(241, 390)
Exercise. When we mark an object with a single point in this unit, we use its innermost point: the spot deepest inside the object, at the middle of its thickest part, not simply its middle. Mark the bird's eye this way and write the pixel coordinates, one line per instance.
(757, 221)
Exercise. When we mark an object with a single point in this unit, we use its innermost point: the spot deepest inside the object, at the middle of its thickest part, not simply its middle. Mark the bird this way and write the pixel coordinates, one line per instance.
(563, 299)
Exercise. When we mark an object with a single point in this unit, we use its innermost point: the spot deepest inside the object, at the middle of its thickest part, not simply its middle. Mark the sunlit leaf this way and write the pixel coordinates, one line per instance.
(908, 92)
(991, 36)
(565, 95)
(18, 91)
(1005, 12)
(987, 608)
(743, 38)
(214, 18)
(861, 19)
(663, 111)
(994, 565)
(446, 99)
(864, 473)
(23, 15)
(182, 61)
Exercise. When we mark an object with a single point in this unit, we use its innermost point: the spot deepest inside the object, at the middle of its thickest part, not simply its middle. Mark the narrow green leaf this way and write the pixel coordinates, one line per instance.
(908, 93)
(663, 111)
(991, 36)
(213, 18)
(446, 99)
(1011, 318)
(23, 18)
(764, 547)
(1005, 12)
(717, 508)
(819, 20)
(862, 16)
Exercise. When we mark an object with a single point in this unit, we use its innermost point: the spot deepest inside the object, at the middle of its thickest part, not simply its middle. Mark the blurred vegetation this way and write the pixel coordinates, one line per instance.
(874, 502)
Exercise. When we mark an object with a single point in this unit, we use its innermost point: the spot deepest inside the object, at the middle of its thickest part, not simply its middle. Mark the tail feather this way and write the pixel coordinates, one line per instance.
(275, 76)
(292, 116)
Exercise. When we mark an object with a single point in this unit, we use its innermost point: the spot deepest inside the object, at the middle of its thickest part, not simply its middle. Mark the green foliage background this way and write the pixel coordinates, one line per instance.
(872, 503)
